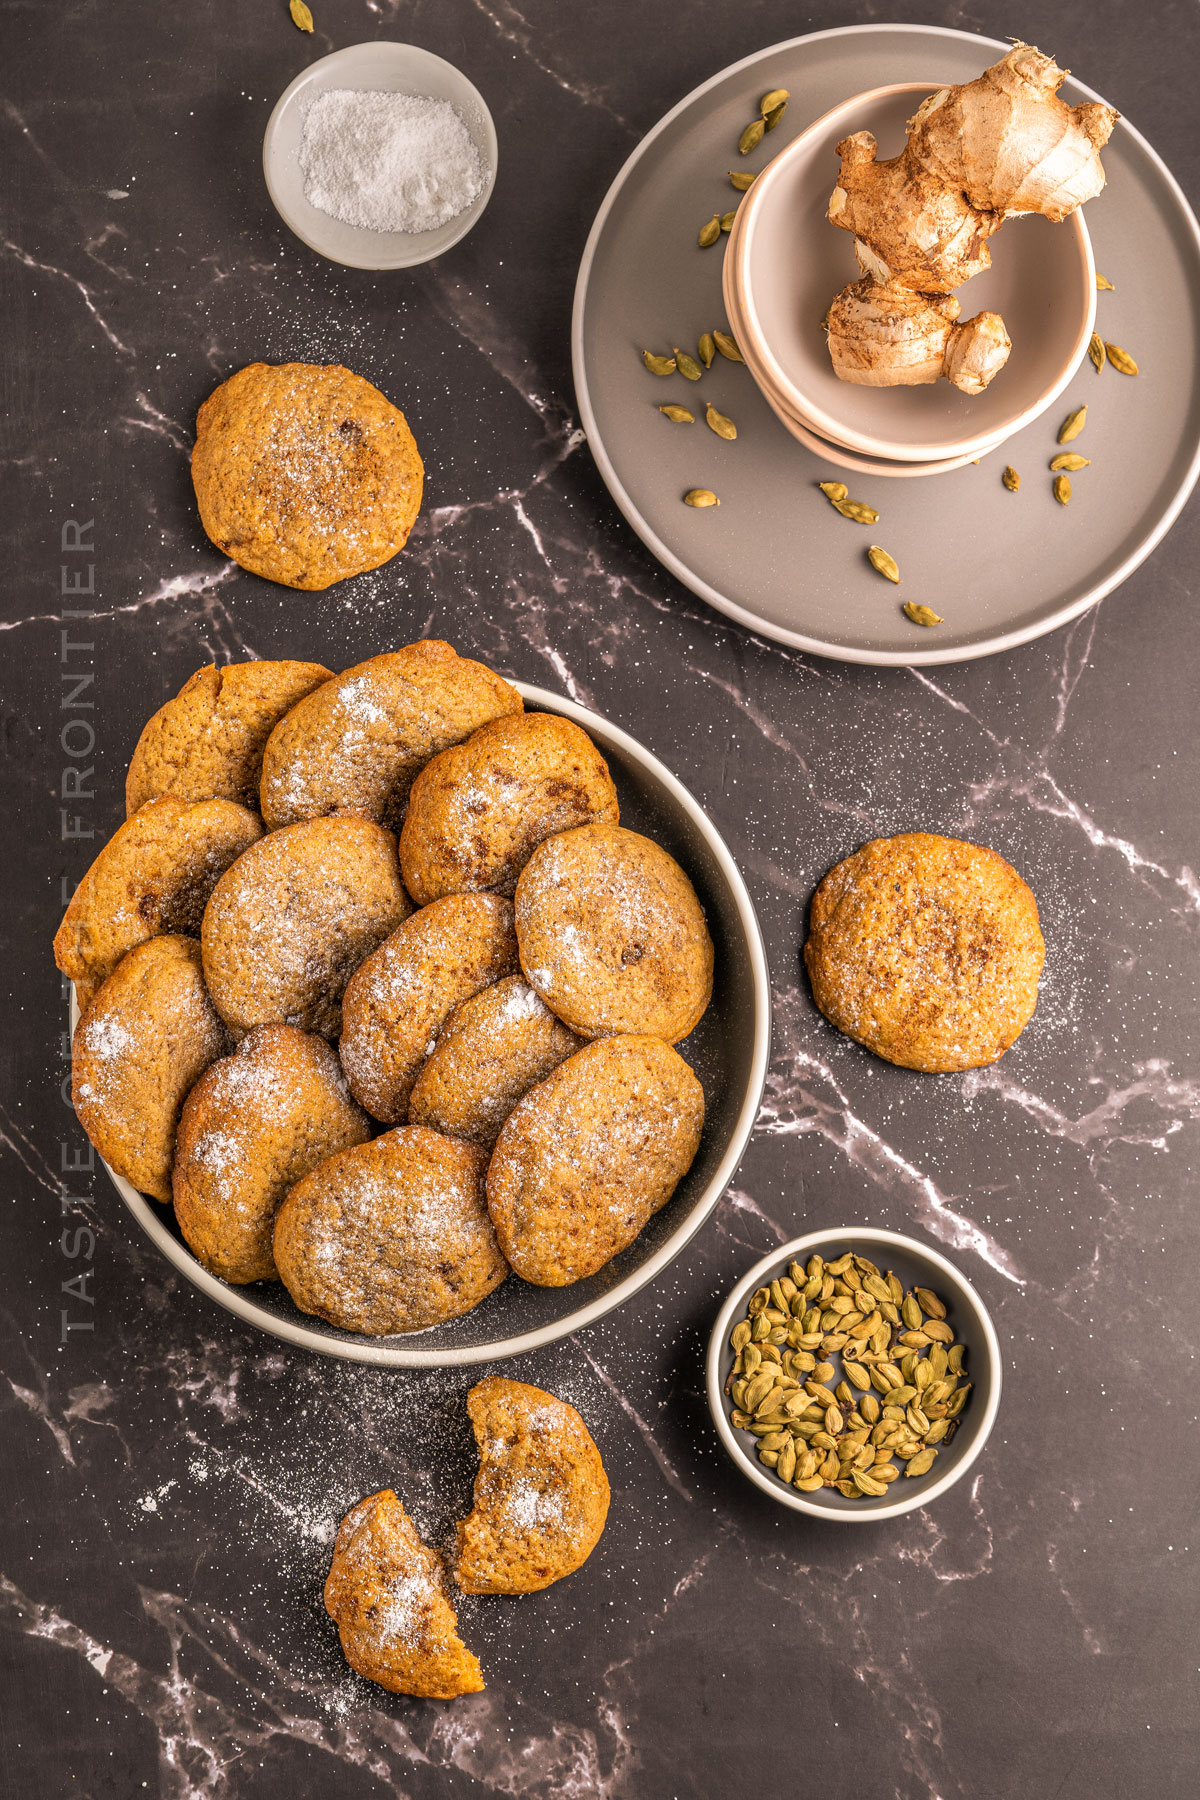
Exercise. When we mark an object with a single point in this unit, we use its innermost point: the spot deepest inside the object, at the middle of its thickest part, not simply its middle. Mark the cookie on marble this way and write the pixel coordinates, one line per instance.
(208, 742)
(292, 919)
(386, 1593)
(400, 998)
(927, 950)
(391, 1236)
(591, 1154)
(252, 1126)
(612, 935)
(141, 1045)
(154, 875)
(479, 810)
(541, 1494)
(305, 474)
(356, 744)
(492, 1049)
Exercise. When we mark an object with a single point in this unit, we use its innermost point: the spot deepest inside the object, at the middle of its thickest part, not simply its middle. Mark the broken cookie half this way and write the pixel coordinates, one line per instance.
(541, 1494)
(386, 1593)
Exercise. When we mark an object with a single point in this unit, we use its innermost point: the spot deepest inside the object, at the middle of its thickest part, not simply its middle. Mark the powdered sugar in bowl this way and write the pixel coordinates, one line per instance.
(352, 91)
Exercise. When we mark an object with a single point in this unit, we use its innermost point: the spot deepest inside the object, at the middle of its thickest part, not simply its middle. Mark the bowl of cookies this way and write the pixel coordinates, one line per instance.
(419, 1016)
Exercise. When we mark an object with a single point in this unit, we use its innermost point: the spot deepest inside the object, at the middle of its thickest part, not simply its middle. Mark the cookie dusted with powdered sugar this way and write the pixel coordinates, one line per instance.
(305, 474)
(386, 1593)
(590, 1154)
(612, 935)
(541, 1494)
(927, 950)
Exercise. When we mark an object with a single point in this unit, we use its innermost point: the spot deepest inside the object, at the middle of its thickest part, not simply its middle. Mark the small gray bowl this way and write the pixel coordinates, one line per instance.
(915, 1264)
(378, 67)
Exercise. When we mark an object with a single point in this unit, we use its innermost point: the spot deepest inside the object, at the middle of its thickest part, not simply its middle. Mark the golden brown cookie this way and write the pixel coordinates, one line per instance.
(401, 997)
(207, 743)
(290, 922)
(590, 1154)
(305, 474)
(541, 1494)
(254, 1123)
(355, 744)
(391, 1236)
(612, 935)
(144, 1041)
(491, 1050)
(927, 950)
(386, 1592)
(479, 810)
(155, 874)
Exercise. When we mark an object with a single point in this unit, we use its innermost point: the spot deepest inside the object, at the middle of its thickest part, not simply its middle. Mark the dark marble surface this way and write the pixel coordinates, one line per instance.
(169, 1479)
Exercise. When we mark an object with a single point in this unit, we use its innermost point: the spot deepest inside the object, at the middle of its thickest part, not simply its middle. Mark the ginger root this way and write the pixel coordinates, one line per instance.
(889, 336)
(975, 155)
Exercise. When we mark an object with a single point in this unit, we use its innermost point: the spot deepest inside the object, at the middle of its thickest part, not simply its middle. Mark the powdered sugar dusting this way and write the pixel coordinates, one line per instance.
(388, 161)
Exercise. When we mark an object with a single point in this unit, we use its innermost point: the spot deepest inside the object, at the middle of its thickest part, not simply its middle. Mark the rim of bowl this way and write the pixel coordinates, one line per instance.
(825, 448)
(396, 1352)
(401, 259)
(853, 1236)
(813, 414)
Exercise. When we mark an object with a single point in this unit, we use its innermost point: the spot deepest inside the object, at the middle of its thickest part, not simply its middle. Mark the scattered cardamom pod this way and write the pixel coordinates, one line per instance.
(1096, 350)
(1062, 489)
(883, 563)
(920, 615)
(833, 490)
(687, 365)
(678, 415)
(752, 137)
(776, 97)
(727, 220)
(700, 497)
(1120, 359)
(1104, 285)
(301, 16)
(1070, 460)
(716, 421)
(707, 349)
(658, 365)
(1011, 479)
(709, 233)
(858, 510)
(772, 118)
(728, 347)
(1072, 425)
(741, 179)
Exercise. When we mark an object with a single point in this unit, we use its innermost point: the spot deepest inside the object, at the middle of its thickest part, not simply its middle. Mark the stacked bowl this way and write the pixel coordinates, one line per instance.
(784, 263)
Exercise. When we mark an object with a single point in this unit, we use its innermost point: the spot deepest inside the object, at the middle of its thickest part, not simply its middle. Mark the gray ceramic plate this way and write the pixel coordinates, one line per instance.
(729, 1051)
(1001, 568)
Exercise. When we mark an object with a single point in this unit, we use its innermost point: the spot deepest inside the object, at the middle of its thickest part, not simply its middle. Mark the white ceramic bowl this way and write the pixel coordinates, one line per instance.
(378, 67)
(915, 1264)
(729, 1050)
(788, 262)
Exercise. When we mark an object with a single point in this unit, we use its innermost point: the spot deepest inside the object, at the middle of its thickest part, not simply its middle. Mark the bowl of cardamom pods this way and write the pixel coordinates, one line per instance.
(854, 1374)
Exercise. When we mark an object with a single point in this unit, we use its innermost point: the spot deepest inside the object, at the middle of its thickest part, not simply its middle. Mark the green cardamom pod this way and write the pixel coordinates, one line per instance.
(741, 179)
(1062, 489)
(752, 137)
(883, 563)
(727, 346)
(1096, 351)
(658, 365)
(772, 118)
(856, 510)
(687, 365)
(678, 415)
(1104, 284)
(708, 234)
(920, 615)
(700, 497)
(707, 349)
(833, 490)
(727, 220)
(1120, 359)
(1011, 479)
(716, 421)
(1069, 460)
(1072, 425)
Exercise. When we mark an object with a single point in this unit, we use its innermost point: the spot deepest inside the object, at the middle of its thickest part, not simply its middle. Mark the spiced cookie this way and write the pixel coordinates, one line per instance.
(927, 950)
(254, 1123)
(154, 875)
(207, 743)
(289, 923)
(386, 1593)
(400, 998)
(479, 810)
(612, 935)
(356, 743)
(305, 474)
(541, 1494)
(491, 1050)
(144, 1041)
(391, 1236)
(590, 1154)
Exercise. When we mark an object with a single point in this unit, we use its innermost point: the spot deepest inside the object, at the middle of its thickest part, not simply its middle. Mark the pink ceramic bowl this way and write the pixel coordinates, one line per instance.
(786, 263)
